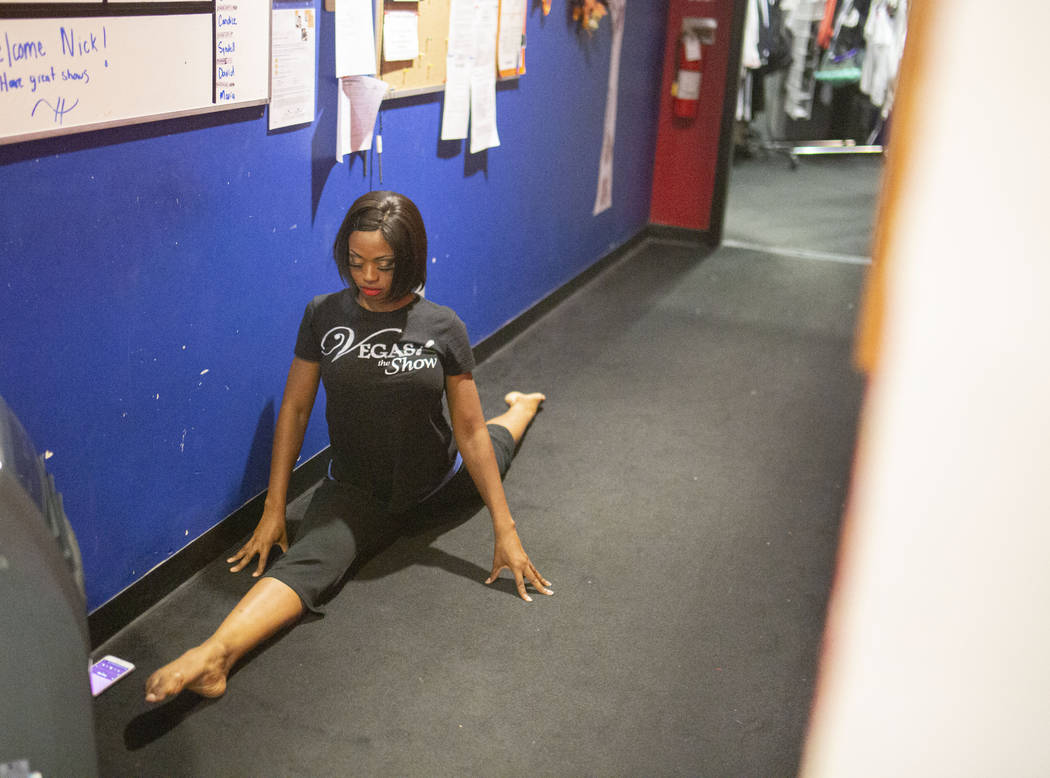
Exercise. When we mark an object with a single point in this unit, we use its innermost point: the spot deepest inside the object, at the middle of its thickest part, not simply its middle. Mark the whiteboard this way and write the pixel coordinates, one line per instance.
(88, 64)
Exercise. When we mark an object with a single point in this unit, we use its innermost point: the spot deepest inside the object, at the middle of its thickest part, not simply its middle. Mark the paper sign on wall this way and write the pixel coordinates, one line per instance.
(355, 43)
(293, 51)
(603, 197)
(400, 35)
(511, 55)
(483, 134)
(459, 61)
(358, 107)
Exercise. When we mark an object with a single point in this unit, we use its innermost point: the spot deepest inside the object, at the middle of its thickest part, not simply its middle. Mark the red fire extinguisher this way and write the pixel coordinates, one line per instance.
(686, 87)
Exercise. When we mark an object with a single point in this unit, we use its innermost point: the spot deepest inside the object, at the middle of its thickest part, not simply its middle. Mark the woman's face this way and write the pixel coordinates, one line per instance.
(371, 262)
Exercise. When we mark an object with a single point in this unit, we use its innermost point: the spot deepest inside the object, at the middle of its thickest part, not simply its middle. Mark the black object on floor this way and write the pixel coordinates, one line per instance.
(46, 726)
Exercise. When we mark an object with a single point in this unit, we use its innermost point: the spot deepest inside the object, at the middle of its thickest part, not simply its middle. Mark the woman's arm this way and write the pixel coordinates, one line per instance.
(472, 437)
(300, 391)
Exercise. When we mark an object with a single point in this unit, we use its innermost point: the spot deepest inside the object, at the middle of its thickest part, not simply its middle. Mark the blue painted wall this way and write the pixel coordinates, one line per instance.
(154, 276)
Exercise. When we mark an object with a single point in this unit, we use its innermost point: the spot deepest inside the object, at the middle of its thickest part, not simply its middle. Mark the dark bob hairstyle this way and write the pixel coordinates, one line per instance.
(401, 225)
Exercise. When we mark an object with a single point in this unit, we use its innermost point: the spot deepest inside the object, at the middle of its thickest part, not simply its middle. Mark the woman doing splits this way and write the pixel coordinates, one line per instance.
(387, 356)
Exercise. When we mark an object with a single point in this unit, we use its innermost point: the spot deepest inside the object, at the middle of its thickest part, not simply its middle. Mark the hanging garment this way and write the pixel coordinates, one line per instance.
(743, 97)
(884, 33)
(749, 60)
(749, 56)
(827, 25)
(841, 63)
(805, 56)
(774, 38)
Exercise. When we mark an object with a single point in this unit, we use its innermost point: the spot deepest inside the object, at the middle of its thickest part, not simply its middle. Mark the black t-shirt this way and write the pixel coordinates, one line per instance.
(384, 377)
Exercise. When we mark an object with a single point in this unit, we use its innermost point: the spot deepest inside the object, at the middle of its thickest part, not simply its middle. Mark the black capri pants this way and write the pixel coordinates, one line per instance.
(342, 523)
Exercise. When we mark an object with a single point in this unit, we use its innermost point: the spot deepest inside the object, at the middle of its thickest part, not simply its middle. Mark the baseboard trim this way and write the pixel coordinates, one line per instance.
(120, 610)
(667, 232)
(516, 326)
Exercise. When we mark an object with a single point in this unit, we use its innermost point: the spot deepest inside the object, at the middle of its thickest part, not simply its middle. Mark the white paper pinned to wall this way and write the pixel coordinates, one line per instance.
(293, 52)
(355, 42)
(603, 197)
(511, 36)
(359, 100)
(459, 61)
(400, 35)
(483, 131)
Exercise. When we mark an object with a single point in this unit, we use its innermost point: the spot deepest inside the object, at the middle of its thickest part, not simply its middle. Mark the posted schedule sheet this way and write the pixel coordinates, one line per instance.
(400, 35)
(511, 37)
(293, 47)
(483, 134)
(458, 64)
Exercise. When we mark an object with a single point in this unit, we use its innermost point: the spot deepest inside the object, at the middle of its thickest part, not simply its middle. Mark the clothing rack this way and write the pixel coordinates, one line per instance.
(812, 148)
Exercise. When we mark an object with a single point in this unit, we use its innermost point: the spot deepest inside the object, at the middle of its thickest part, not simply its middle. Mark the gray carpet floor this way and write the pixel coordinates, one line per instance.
(826, 205)
(682, 488)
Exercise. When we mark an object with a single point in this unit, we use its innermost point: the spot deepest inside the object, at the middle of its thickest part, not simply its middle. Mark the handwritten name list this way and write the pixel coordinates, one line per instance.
(227, 31)
(58, 74)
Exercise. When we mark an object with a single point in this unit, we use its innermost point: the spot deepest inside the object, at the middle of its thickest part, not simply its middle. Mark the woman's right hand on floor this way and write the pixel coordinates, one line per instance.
(271, 531)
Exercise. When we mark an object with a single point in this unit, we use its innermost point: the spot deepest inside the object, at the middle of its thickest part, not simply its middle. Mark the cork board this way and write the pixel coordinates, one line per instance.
(425, 73)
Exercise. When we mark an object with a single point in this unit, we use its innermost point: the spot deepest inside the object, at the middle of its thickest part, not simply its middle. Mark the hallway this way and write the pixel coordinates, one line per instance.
(682, 488)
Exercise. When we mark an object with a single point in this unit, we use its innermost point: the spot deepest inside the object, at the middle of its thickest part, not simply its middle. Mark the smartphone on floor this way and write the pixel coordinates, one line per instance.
(106, 672)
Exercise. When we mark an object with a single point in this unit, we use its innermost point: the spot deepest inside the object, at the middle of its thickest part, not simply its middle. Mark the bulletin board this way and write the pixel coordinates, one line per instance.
(88, 64)
(425, 73)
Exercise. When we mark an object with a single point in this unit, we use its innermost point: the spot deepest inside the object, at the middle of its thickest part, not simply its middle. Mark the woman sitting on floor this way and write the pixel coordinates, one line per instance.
(387, 356)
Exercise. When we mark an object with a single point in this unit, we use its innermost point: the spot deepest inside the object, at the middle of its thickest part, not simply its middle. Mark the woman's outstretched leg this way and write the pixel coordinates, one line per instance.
(523, 409)
(267, 607)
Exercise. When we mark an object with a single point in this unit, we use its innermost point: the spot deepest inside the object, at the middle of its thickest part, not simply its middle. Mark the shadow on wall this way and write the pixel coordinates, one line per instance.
(322, 156)
(114, 136)
(257, 467)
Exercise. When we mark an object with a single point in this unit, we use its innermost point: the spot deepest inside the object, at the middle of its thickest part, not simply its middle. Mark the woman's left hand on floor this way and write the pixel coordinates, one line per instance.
(510, 555)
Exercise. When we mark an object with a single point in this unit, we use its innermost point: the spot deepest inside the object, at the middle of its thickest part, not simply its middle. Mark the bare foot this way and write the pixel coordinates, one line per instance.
(202, 670)
(534, 399)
